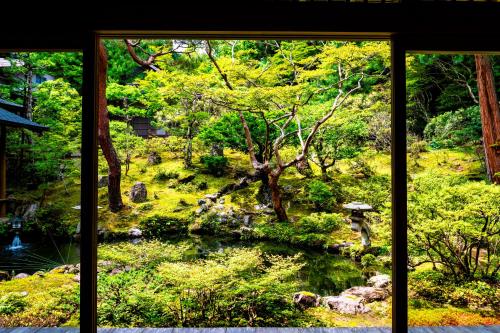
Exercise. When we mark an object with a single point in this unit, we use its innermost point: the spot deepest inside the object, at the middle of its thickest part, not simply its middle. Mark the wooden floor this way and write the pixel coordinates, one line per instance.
(448, 329)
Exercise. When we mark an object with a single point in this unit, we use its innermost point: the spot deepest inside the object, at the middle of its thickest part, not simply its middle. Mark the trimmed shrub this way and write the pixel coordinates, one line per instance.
(162, 175)
(319, 194)
(12, 303)
(368, 260)
(215, 165)
(163, 226)
(320, 223)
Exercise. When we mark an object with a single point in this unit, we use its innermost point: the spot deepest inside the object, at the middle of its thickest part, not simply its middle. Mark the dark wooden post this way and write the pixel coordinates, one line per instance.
(399, 190)
(3, 172)
(88, 218)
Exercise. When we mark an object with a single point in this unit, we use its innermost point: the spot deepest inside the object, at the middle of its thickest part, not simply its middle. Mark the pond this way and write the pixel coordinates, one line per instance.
(323, 273)
(29, 255)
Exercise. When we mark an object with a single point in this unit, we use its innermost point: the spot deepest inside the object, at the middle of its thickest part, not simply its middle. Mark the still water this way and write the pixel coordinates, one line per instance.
(323, 273)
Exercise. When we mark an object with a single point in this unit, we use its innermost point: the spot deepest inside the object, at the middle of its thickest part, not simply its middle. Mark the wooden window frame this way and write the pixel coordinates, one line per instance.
(449, 35)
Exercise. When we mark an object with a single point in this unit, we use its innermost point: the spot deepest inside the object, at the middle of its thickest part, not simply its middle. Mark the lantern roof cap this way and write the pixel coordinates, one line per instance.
(356, 205)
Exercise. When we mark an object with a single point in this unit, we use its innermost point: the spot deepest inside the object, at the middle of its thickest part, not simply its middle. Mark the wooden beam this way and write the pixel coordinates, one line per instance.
(3, 171)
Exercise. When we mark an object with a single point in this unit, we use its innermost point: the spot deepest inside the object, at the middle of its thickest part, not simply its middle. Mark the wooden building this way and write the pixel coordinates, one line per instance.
(142, 127)
(10, 119)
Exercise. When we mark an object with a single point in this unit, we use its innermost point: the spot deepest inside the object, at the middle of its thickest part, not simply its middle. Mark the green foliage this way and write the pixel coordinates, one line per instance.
(320, 223)
(124, 139)
(438, 83)
(368, 260)
(12, 303)
(455, 128)
(310, 231)
(343, 137)
(234, 288)
(145, 207)
(163, 226)
(210, 224)
(58, 107)
(320, 194)
(451, 222)
(126, 301)
(215, 165)
(162, 175)
(48, 220)
(228, 132)
(147, 254)
(433, 286)
(374, 190)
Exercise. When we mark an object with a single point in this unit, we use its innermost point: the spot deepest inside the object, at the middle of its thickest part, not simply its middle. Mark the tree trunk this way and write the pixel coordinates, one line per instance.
(490, 116)
(324, 173)
(264, 193)
(188, 149)
(304, 168)
(188, 154)
(109, 152)
(28, 113)
(276, 198)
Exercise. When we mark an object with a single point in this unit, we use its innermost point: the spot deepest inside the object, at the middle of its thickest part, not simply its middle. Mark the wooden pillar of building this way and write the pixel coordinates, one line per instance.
(3, 172)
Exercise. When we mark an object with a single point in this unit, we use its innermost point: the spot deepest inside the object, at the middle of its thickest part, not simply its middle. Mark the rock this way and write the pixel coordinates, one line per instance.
(346, 304)
(306, 299)
(138, 192)
(246, 231)
(264, 209)
(67, 269)
(219, 207)
(154, 158)
(104, 263)
(20, 276)
(367, 294)
(39, 274)
(203, 208)
(379, 281)
(337, 248)
(202, 186)
(187, 179)
(102, 181)
(135, 233)
(4, 276)
(201, 202)
(73, 269)
(247, 220)
(30, 212)
(76, 278)
(222, 201)
(115, 271)
(212, 197)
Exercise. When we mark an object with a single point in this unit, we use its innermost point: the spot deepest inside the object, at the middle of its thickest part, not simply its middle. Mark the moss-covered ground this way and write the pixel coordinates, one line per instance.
(50, 296)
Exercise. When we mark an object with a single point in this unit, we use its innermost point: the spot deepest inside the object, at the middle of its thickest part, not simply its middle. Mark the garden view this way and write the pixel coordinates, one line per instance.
(248, 183)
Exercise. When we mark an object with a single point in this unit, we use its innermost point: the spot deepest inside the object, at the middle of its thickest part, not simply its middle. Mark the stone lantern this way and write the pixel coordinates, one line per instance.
(358, 220)
(16, 223)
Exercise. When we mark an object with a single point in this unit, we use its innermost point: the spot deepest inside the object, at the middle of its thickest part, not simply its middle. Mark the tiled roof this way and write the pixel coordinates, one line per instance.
(4, 102)
(13, 120)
